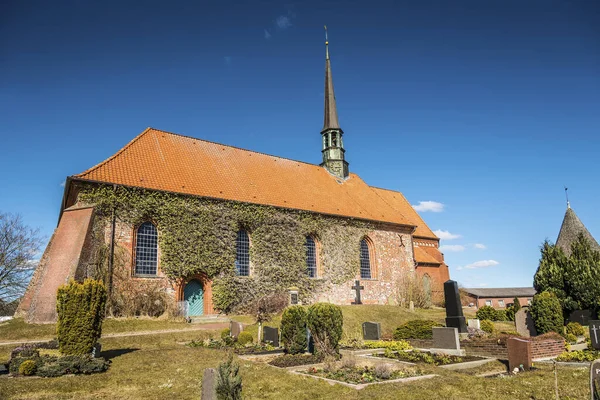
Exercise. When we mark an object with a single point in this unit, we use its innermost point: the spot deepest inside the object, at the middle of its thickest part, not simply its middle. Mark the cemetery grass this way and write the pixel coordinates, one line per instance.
(159, 367)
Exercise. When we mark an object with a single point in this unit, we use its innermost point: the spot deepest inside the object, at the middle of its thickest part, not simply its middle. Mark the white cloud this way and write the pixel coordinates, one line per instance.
(452, 247)
(432, 206)
(480, 264)
(283, 22)
(445, 235)
(480, 246)
(267, 34)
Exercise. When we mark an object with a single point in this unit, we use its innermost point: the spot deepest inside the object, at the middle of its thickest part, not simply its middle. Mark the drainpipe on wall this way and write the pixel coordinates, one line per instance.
(111, 255)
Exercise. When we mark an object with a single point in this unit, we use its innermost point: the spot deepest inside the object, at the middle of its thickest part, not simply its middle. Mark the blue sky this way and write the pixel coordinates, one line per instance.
(487, 107)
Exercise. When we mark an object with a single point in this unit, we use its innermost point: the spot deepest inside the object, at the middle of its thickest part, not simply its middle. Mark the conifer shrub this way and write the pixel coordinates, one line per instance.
(575, 329)
(416, 329)
(325, 321)
(487, 326)
(229, 380)
(516, 304)
(501, 315)
(510, 313)
(27, 368)
(486, 312)
(293, 330)
(80, 308)
(547, 313)
(244, 338)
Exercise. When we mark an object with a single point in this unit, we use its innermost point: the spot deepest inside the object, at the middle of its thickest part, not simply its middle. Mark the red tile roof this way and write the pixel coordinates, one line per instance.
(166, 161)
(427, 255)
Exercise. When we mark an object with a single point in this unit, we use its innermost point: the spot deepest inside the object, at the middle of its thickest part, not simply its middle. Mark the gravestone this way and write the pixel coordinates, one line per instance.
(209, 391)
(595, 380)
(445, 340)
(595, 334)
(524, 323)
(474, 323)
(271, 335)
(357, 287)
(371, 330)
(583, 317)
(519, 353)
(454, 312)
(411, 306)
(235, 328)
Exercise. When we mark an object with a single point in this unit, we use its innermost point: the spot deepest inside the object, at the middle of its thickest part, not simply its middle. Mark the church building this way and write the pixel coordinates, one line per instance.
(213, 227)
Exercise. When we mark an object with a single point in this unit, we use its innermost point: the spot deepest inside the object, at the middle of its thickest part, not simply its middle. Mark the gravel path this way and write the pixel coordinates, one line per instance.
(198, 327)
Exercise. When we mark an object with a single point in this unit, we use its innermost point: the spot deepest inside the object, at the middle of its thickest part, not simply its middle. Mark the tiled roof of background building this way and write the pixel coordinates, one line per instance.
(502, 292)
(166, 161)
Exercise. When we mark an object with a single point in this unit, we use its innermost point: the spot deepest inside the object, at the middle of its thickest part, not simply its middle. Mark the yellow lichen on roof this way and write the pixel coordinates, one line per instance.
(166, 161)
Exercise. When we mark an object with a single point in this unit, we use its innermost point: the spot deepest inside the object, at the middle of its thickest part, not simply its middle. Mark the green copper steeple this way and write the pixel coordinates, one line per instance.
(333, 145)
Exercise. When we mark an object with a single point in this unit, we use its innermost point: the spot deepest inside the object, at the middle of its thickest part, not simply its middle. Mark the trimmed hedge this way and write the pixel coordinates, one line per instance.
(80, 308)
(293, 330)
(325, 322)
(244, 338)
(27, 368)
(486, 312)
(575, 329)
(546, 312)
(416, 329)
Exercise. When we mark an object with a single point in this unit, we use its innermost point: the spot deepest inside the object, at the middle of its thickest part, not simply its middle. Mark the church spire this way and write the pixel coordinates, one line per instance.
(333, 145)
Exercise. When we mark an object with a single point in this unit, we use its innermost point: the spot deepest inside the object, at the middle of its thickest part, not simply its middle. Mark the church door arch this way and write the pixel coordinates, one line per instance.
(193, 294)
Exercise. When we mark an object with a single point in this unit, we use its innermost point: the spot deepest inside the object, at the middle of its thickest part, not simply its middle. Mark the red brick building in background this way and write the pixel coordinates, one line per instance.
(399, 244)
(498, 298)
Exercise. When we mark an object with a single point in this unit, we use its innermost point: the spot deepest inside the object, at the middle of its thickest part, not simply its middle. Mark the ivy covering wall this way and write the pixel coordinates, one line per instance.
(197, 235)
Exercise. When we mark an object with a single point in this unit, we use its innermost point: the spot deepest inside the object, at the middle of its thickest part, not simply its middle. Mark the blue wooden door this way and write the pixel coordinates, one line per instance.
(194, 295)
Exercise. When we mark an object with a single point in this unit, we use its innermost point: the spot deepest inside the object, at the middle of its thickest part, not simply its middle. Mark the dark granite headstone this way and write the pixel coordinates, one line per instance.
(271, 335)
(235, 328)
(446, 338)
(209, 391)
(583, 317)
(519, 353)
(595, 380)
(371, 330)
(595, 334)
(310, 341)
(524, 323)
(454, 312)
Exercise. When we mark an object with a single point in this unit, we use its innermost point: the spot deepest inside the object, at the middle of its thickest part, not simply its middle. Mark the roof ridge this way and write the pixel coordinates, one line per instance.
(234, 147)
(101, 163)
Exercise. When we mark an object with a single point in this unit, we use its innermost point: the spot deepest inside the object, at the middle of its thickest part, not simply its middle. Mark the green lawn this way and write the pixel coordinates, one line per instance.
(157, 367)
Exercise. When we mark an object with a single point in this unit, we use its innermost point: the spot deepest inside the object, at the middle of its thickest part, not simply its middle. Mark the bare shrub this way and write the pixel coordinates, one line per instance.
(264, 308)
(382, 371)
(411, 287)
(348, 362)
(331, 364)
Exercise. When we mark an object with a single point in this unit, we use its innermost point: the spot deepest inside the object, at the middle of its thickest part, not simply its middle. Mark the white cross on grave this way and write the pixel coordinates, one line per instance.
(595, 329)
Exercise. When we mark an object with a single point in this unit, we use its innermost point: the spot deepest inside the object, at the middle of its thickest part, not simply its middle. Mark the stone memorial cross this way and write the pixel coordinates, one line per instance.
(358, 288)
(595, 334)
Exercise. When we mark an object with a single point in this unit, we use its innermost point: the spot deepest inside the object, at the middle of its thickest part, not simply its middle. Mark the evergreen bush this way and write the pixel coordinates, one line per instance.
(244, 338)
(225, 333)
(27, 368)
(547, 313)
(325, 321)
(80, 308)
(501, 315)
(487, 326)
(416, 329)
(486, 312)
(510, 313)
(293, 330)
(575, 328)
(570, 338)
(516, 304)
(229, 380)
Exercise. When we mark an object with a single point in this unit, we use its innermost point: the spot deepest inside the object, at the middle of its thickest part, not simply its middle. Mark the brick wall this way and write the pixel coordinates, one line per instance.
(540, 348)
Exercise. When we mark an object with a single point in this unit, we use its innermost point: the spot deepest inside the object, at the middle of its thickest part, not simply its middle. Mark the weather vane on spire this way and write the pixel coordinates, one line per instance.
(567, 195)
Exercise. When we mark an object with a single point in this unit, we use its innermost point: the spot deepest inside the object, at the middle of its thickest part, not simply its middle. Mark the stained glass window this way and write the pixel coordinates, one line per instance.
(311, 257)
(242, 259)
(365, 260)
(146, 249)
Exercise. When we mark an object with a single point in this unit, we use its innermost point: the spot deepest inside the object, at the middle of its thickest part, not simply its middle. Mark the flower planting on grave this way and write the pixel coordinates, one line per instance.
(294, 360)
(425, 357)
(416, 329)
(579, 356)
(348, 371)
(243, 346)
(393, 345)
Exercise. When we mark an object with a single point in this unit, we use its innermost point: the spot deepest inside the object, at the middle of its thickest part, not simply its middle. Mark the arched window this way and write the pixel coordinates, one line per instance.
(242, 258)
(146, 249)
(365, 260)
(311, 257)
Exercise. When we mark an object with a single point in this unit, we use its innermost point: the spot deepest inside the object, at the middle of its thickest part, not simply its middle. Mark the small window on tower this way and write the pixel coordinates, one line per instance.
(334, 140)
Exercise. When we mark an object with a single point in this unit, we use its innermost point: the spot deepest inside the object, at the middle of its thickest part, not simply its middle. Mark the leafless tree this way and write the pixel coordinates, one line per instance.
(19, 245)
